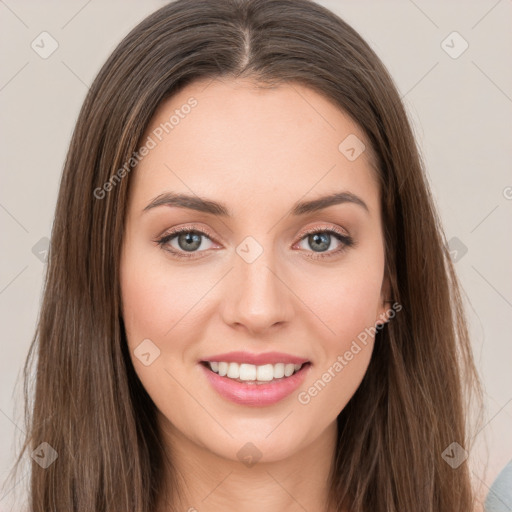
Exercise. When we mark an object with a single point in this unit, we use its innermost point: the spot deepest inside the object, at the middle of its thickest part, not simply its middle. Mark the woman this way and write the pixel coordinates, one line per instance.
(249, 303)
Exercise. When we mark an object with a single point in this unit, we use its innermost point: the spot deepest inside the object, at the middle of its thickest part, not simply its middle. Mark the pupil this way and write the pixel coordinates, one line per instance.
(189, 238)
(322, 238)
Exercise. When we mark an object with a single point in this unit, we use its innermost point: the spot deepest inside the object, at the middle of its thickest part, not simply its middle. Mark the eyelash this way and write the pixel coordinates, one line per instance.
(347, 241)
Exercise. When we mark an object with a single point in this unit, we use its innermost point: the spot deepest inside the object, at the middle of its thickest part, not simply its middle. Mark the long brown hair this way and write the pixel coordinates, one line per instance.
(88, 402)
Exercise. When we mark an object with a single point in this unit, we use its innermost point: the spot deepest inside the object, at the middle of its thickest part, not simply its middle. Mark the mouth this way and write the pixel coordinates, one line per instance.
(254, 385)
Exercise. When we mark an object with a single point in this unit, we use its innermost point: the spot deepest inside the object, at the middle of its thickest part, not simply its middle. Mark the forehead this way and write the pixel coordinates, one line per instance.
(232, 140)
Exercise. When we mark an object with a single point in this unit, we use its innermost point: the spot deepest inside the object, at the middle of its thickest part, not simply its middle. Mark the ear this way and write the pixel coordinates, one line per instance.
(381, 316)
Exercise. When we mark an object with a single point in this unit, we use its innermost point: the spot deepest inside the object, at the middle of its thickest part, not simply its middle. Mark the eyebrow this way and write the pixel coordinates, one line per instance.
(193, 202)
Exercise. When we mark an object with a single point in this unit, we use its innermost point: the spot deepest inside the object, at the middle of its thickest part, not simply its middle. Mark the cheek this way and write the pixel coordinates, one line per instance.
(345, 301)
(154, 302)
(158, 306)
(348, 314)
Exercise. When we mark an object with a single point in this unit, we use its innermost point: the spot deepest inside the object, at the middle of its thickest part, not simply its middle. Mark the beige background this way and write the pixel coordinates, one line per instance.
(461, 109)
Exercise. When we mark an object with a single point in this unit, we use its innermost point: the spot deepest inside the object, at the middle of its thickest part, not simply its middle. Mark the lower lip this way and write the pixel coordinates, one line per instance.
(256, 395)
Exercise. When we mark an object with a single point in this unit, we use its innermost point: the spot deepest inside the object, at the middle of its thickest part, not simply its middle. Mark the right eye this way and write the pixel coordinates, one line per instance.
(184, 242)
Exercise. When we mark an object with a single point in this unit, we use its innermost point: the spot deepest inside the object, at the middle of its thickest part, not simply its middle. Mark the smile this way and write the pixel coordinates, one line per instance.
(252, 385)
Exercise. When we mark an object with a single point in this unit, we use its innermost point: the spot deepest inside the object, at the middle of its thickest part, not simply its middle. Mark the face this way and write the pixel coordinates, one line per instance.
(254, 268)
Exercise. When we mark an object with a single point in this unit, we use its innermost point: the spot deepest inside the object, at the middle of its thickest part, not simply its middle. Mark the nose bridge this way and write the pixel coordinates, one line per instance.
(260, 299)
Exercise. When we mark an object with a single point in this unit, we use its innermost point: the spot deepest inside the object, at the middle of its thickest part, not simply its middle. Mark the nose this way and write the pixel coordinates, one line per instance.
(257, 297)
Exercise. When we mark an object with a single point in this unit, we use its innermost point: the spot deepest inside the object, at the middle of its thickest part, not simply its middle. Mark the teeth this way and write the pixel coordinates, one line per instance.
(251, 372)
(278, 370)
(266, 372)
(233, 371)
(223, 369)
(289, 369)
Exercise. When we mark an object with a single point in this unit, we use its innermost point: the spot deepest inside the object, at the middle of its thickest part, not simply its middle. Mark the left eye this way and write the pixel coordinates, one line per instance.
(321, 241)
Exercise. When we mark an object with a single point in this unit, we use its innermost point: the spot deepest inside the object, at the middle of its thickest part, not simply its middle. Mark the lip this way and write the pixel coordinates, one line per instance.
(255, 395)
(256, 359)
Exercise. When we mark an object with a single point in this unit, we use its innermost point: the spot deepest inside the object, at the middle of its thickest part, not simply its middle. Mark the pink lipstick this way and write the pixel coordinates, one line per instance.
(278, 376)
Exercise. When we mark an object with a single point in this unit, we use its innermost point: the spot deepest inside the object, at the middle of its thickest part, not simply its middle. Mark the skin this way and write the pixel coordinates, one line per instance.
(258, 151)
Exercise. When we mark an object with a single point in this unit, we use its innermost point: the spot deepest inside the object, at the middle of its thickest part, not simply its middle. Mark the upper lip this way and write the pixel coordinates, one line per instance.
(256, 359)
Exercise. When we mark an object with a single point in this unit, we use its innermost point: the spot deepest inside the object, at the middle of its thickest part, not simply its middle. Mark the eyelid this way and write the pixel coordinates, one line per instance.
(188, 228)
(322, 228)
